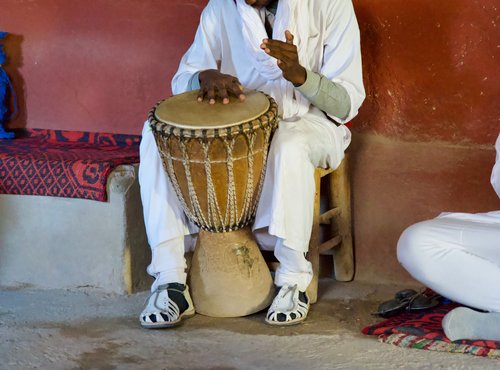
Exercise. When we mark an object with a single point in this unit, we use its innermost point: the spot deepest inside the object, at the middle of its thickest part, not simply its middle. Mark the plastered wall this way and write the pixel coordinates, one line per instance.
(422, 141)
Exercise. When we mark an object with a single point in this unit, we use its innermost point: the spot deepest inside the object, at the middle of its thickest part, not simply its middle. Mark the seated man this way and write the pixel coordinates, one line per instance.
(458, 256)
(306, 55)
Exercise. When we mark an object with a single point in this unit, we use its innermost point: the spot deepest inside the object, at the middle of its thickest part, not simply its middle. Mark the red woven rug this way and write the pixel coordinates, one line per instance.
(63, 163)
(424, 331)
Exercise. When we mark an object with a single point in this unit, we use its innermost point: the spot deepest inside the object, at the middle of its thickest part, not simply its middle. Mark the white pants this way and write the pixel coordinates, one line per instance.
(285, 207)
(457, 256)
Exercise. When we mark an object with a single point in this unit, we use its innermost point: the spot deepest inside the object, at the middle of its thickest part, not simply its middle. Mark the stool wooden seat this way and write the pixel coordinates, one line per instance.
(338, 216)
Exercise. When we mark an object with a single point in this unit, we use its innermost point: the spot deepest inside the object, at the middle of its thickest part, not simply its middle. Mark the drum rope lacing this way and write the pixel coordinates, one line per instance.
(214, 161)
(213, 205)
(215, 218)
(232, 204)
(249, 187)
(173, 179)
(191, 190)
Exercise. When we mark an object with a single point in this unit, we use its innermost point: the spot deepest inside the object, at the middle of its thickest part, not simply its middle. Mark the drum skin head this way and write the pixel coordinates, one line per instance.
(185, 111)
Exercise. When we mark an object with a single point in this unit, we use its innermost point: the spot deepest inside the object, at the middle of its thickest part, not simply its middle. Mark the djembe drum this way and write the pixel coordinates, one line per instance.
(215, 157)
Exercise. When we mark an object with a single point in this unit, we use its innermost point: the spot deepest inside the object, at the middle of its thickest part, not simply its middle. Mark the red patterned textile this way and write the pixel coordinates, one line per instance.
(424, 331)
(63, 163)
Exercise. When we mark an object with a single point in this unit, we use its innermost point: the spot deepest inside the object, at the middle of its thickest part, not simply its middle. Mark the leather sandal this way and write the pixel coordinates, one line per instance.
(289, 307)
(407, 300)
(167, 306)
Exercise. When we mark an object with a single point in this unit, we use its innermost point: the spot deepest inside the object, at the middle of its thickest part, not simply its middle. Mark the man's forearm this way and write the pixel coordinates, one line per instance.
(328, 96)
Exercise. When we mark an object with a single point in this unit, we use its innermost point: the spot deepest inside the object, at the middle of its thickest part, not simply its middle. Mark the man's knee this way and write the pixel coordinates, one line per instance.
(287, 146)
(414, 241)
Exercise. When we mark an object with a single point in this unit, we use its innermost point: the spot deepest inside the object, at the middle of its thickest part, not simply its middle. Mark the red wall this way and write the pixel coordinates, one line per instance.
(431, 69)
(95, 65)
(423, 139)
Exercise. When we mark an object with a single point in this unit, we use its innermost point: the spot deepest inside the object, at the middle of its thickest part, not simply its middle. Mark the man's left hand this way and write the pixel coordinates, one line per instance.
(287, 57)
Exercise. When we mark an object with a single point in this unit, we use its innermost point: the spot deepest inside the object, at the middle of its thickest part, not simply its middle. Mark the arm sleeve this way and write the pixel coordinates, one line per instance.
(203, 53)
(342, 61)
(194, 82)
(495, 175)
(330, 97)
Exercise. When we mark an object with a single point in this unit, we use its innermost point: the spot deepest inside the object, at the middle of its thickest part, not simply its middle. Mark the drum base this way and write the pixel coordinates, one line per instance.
(228, 275)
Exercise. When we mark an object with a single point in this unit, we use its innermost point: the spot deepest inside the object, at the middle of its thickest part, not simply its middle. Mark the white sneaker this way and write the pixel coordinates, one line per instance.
(290, 306)
(167, 306)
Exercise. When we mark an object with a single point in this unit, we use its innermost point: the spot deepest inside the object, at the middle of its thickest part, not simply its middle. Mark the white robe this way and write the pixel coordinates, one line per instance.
(333, 49)
(458, 254)
(299, 145)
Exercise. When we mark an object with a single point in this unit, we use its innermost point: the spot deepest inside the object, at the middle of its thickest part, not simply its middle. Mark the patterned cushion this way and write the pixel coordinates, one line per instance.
(63, 163)
(423, 330)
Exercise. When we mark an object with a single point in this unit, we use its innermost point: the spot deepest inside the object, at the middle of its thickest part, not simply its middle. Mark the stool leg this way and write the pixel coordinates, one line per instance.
(313, 255)
(340, 196)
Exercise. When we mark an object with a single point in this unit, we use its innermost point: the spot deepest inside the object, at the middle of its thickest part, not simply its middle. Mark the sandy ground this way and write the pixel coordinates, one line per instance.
(86, 329)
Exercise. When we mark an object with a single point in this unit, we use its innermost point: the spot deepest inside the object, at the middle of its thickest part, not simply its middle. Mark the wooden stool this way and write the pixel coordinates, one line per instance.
(339, 217)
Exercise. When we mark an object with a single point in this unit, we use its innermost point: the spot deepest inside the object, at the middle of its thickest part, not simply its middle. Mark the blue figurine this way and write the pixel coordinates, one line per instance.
(4, 84)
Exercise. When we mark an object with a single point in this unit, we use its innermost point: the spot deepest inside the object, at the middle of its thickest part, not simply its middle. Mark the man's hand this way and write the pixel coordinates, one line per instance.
(214, 84)
(288, 58)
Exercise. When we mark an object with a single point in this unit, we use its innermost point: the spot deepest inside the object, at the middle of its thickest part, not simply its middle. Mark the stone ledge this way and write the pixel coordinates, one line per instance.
(52, 243)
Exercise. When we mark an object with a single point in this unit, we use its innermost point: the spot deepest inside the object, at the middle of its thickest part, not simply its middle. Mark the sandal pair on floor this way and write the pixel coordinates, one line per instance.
(170, 303)
(408, 300)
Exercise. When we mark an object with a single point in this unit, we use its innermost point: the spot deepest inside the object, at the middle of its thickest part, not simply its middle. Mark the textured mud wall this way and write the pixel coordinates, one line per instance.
(431, 70)
(95, 65)
(423, 139)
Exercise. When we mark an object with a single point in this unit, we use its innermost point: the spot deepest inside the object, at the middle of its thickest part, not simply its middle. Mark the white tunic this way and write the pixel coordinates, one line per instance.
(332, 47)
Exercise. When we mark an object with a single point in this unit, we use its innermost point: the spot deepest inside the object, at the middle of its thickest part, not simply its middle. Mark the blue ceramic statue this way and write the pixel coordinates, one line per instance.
(4, 85)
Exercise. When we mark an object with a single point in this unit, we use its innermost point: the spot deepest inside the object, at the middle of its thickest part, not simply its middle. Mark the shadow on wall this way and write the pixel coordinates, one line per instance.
(13, 65)
(428, 70)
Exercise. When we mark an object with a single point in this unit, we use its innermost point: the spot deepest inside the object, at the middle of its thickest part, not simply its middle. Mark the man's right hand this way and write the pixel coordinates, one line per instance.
(214, 85)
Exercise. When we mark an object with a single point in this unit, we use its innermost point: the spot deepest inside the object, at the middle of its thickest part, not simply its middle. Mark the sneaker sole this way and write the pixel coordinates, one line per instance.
(166, 325)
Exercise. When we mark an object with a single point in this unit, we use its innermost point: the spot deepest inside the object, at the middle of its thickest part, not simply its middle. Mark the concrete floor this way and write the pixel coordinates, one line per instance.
(86, 329)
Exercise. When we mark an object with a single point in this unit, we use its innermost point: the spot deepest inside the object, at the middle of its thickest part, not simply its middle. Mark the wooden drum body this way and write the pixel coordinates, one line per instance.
(215, 157)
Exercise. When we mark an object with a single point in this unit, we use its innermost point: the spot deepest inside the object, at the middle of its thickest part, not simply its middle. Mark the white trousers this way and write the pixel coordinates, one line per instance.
(285, 207)
(457, 256)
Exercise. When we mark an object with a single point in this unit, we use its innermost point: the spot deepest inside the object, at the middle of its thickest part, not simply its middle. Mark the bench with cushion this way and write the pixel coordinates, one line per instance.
(70, 212)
